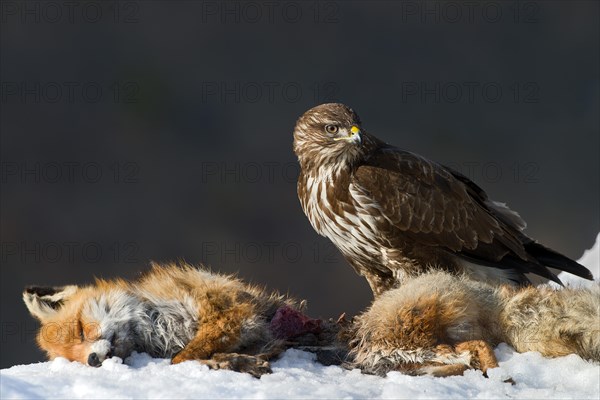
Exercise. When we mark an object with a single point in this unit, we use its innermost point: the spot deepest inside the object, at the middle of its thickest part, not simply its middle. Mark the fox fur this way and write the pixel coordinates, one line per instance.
(179, 312)
(436, 323)
(441, 324)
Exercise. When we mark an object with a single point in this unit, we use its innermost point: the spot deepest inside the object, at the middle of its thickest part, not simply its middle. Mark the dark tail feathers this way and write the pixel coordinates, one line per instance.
(551, 258)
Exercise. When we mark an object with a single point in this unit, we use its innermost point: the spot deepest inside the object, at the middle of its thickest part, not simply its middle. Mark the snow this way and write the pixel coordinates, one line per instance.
(589, 259)
(297, 375)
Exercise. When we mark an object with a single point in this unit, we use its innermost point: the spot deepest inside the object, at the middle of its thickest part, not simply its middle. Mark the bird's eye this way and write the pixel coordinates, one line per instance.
(331, 129)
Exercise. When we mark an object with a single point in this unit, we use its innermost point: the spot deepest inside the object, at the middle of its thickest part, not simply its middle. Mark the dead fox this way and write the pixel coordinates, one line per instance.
(179, 312)
(442, 324)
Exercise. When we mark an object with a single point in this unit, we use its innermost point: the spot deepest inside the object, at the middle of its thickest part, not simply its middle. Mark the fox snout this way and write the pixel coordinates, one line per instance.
(95, 361)
(100, 350)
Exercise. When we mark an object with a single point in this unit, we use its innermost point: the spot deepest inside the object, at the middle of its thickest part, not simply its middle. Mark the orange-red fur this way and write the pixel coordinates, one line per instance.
(436, 321)
(179, 312)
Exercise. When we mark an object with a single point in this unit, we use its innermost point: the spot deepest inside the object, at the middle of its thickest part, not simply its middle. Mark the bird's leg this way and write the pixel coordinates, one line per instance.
(380, 283)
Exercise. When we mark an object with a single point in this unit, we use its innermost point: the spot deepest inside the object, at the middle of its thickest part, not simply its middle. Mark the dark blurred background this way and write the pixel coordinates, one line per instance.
(162, 130)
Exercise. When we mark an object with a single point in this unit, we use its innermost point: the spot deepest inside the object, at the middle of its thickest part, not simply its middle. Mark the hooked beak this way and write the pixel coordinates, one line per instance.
(353, 135)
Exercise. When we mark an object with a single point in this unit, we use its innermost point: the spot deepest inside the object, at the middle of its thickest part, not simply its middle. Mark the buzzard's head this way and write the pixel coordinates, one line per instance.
(327, 134)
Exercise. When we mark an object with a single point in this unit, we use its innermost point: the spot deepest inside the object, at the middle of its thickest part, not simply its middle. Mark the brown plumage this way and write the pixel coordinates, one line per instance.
(393, 213)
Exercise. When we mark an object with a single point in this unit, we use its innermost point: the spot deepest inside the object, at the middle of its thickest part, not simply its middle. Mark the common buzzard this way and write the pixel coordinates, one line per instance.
(394, 214)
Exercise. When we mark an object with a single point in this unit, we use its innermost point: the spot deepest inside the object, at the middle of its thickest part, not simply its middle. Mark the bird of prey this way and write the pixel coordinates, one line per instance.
(395, 214)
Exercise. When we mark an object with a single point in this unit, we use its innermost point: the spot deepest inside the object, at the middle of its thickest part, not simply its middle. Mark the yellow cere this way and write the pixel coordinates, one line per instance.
(354, 130)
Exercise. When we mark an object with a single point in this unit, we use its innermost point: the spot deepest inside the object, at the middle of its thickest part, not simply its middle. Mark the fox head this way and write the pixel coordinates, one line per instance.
(85, 324)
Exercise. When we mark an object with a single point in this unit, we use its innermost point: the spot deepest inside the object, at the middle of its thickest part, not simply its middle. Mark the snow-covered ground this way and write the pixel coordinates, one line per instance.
(297, 375)
(590, 259)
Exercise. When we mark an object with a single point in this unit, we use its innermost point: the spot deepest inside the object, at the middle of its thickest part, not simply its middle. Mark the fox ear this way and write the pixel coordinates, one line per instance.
(44, 302)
